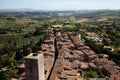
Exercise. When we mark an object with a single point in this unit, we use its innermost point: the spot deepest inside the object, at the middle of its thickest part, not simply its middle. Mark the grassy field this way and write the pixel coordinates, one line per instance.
(28, 29)
(82, 20)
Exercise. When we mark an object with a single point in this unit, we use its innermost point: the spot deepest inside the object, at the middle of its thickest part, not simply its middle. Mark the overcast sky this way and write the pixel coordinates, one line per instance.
(60, 4)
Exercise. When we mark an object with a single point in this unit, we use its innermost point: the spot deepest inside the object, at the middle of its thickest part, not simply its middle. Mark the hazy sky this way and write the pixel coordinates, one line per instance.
(60, 4)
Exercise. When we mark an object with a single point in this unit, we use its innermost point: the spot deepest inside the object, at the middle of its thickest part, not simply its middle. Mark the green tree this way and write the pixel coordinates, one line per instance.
(106, 41)
(91, 74)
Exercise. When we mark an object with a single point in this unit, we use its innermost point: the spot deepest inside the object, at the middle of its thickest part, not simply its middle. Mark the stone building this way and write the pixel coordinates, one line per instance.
(34, 67)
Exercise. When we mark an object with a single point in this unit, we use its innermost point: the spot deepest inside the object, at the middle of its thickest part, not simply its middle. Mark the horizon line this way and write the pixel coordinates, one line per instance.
(52, 9)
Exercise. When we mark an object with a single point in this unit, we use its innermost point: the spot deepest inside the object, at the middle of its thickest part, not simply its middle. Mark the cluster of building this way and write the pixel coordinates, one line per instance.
(64, 67)
(49, 53)
(69, 57)
(74, 57)
(97, 39)
(93, 36)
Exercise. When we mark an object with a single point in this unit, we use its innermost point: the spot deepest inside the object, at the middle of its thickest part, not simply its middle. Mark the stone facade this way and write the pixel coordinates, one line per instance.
(34, 67)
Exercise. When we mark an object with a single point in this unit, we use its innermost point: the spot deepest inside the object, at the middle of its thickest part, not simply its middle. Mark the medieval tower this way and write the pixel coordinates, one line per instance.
(34, 67)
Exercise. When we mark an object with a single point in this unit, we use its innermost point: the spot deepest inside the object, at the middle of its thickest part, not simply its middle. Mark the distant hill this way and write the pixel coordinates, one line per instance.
(17, 10)
(57, 11)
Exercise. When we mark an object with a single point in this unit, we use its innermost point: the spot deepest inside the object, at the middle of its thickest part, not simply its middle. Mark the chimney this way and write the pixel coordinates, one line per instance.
(34, 54)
